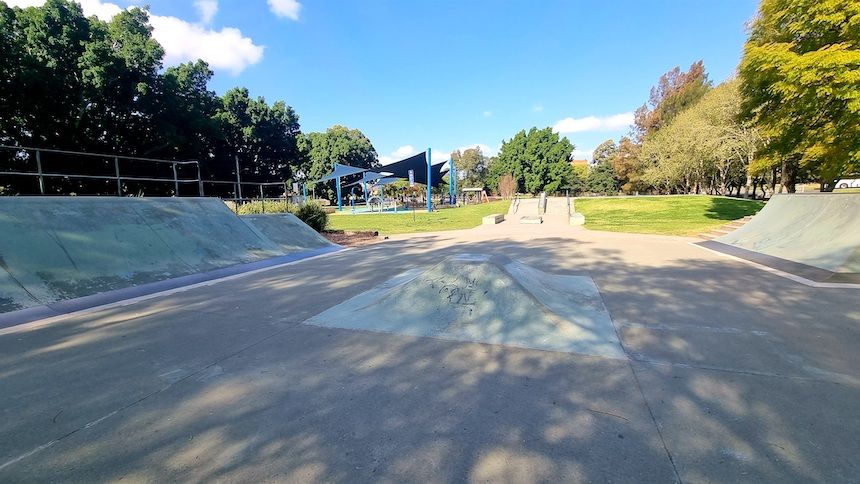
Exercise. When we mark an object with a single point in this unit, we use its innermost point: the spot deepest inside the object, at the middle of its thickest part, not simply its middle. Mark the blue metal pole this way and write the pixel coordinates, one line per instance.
(429, 183)
(339, 199)
(364, 185)
(450, 181)
(456, 179)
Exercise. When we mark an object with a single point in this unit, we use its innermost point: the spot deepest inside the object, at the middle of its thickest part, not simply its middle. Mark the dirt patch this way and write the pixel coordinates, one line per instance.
(352, 239)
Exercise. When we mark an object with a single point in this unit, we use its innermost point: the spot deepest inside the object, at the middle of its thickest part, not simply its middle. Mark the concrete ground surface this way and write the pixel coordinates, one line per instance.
(730, 374)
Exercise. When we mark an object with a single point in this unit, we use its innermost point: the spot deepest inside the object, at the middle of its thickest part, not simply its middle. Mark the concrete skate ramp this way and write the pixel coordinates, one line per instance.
(287, 231)
(818, 230)
(488, 300)
(58, 248)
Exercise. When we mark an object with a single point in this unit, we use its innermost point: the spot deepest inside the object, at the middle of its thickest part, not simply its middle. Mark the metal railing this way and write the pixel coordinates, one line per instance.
(23, 161)
(23, 154)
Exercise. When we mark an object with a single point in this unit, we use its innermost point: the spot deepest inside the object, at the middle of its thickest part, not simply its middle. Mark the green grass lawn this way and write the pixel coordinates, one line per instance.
(676, 215)
(398, 223)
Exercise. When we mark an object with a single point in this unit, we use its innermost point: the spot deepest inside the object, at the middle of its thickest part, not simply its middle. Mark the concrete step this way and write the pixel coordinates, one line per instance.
(725, 229)
(531, 219)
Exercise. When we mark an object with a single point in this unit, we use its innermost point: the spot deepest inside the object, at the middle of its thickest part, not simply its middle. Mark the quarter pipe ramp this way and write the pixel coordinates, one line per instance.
(818, 234)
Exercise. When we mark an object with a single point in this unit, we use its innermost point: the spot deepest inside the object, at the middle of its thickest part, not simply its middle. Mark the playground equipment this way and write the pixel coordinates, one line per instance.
(412, 169)
(471, 196)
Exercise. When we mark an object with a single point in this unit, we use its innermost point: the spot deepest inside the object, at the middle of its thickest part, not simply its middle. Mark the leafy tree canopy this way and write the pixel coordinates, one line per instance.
(675, 91)
(471, 164)
(338, 144)
(605, 151)
(801, 86)
(538, 159)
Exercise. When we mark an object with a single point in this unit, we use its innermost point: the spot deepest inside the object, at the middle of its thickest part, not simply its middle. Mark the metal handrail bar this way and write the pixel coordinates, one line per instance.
(64, 152)
(101, 177)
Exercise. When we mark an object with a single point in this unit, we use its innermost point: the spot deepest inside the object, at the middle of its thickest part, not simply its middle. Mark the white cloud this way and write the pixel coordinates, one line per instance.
(485, 149)
(580, 154)
(404, 151)
(537, 108)
(488, 113)
(207, 10)
(226, 49)
(400, 153)
(593, 123)
(102, 10)
(285, 8)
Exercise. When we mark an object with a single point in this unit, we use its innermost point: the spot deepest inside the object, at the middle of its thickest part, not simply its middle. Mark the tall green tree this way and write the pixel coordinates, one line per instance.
(263, 138)
(675, 91)
(705, 148)
(185, 119)
(53, 39)
(119, 71)
(605, 151)
(801, 86)
(338, 144)
(601, 179)
(628, 167)
(472, 164)
(538, 159)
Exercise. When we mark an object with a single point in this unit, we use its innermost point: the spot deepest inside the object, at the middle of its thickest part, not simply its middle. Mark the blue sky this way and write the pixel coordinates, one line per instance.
(450, 74)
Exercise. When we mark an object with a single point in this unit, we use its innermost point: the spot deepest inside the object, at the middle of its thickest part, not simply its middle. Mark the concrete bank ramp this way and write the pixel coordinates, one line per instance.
(286, 231)
(817, 230)
(487, 299)
(58, 248)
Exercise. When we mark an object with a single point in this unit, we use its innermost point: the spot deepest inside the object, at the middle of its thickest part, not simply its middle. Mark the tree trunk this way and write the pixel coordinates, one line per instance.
(789, 176)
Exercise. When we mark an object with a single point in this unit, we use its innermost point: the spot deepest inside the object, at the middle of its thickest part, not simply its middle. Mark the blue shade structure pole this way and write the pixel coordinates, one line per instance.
(339, 199)
(429, 183)
(450, 181)
(364, 186)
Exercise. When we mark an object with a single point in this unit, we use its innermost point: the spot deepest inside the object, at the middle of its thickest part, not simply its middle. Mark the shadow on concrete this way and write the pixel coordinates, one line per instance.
(746, 376)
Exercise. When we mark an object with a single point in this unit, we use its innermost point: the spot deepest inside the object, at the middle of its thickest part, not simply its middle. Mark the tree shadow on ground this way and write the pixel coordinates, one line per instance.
(224, 383)
(729, 209)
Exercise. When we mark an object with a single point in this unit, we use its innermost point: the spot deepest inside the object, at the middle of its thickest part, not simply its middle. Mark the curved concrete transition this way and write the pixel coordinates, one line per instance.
(287, 231)
(55, 249)
(813, 235)
(485, 299)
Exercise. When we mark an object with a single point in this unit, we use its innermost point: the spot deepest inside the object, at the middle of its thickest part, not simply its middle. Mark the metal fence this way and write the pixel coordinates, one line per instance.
(64, 172)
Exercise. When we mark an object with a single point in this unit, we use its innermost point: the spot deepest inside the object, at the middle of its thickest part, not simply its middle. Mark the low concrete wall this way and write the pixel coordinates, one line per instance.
(58, 248)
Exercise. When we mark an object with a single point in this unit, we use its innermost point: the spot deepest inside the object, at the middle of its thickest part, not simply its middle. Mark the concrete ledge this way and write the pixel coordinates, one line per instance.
(493, 219)
(577, 219)
(531, 219)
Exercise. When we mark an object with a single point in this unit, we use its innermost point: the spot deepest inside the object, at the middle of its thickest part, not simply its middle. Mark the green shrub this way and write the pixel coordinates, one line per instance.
(313, 215)
(268, 206)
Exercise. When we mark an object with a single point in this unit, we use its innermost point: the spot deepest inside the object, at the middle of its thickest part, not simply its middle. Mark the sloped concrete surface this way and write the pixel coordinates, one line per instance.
(479, 298)
(820, 230)
(731, 374)
(59, 248)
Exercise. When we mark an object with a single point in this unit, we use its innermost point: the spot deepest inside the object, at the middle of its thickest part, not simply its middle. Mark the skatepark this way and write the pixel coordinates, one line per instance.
(134, 348)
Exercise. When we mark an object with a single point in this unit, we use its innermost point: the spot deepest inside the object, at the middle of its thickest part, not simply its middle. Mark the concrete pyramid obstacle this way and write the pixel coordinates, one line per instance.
(486, 299)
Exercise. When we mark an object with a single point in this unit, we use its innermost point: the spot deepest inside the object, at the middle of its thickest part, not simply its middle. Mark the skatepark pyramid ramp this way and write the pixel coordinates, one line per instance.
(488, 299)
(815, 234)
